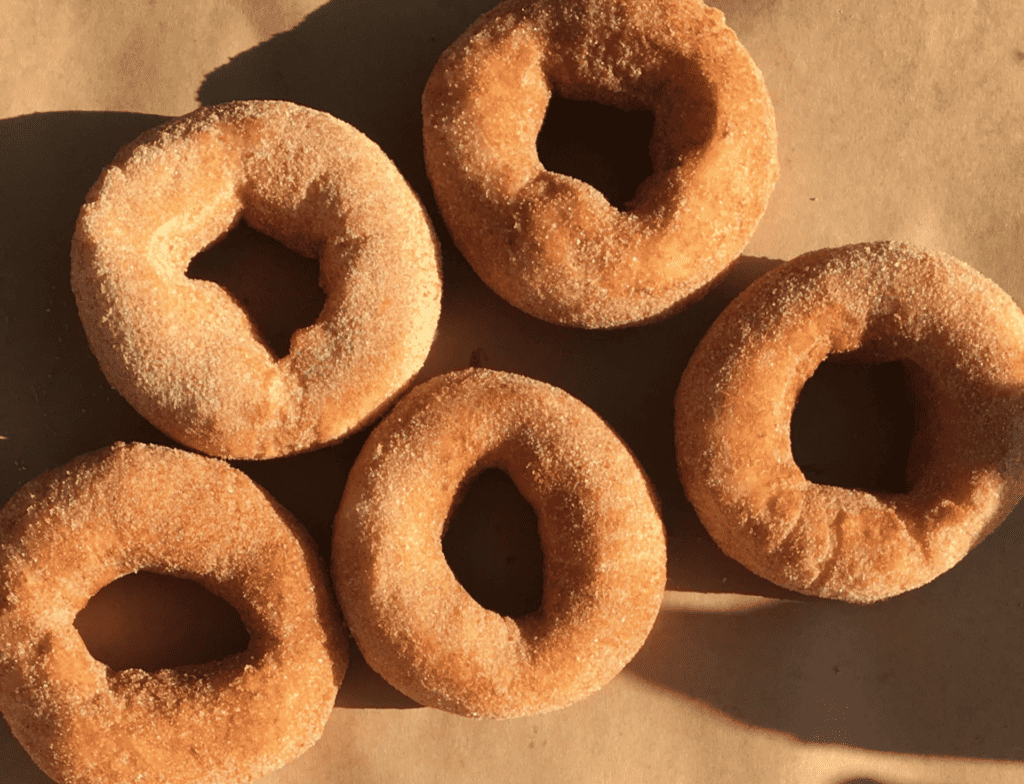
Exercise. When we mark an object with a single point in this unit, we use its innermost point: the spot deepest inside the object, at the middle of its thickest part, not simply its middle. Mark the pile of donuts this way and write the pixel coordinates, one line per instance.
(188, 358)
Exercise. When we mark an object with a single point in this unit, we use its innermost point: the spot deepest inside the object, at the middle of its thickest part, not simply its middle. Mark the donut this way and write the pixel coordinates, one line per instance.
(134, 507)
(961, 341)
(182, 351)
(601, 535)
(552, 245)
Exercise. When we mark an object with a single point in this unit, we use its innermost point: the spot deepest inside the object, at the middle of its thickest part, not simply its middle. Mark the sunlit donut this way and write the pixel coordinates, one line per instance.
(552, 245)
(182, 351)
(136, 507)
(601, 535)
(961, 341)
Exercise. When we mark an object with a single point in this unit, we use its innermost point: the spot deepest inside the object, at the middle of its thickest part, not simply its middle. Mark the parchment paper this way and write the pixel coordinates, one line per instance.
(896, 121)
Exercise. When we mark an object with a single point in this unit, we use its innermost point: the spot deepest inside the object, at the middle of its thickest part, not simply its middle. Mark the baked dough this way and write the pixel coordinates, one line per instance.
(136, 507)
(961, 340)
(601, 535)
(552, 245)
(182, 351)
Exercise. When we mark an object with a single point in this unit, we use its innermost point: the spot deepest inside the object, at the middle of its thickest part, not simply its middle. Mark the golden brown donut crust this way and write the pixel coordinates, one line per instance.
(601, 535)
(961, 339)
(552, 245)
(182, 351)
(136, 507)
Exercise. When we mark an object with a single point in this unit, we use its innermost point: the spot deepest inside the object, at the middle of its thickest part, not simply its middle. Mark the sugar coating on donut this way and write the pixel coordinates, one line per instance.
(136, 507)
(961, 341)
(552, 245)
(183, 352)
(602, 540)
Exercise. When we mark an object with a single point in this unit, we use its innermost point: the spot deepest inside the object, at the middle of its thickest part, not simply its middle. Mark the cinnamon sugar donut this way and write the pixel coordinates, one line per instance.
(601, 535)
(552, 245)
(961, 341)
(182, 351)
(136, 507)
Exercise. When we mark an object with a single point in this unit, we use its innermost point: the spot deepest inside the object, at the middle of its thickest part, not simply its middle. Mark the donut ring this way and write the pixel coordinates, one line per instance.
(961, 340)
(182, 351)
(552, 245)
(600, 531)
(138, 507)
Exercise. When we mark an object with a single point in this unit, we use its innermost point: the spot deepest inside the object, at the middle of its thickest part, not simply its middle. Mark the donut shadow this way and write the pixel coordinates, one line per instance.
(17, 764)
(323, 63)
(56, 403)
(364, 688)
(888, 676)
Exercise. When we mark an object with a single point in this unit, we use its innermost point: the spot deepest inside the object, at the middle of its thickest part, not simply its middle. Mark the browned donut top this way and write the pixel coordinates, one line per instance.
(182, 351)
(602, 540)
(552, 245)
(961, 339)
(71, 531)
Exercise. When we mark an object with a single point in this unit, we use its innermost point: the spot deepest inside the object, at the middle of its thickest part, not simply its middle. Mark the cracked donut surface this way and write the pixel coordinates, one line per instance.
(961, 341)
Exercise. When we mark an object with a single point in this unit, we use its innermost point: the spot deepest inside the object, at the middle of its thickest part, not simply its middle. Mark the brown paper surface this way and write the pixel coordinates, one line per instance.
(896, 121)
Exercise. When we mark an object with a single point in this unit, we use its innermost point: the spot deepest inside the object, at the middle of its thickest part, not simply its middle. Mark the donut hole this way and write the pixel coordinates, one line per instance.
(150, 621)
(492, 545)
(853, 425)
(277, 288)
(603, 146)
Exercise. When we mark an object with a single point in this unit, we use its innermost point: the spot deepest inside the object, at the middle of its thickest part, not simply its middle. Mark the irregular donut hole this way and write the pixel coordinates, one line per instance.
(277, 288)
(853, 425)
(150, 621)
(600, 145)
(492, 545)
